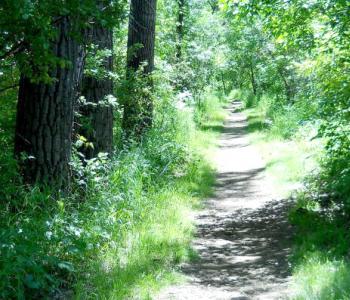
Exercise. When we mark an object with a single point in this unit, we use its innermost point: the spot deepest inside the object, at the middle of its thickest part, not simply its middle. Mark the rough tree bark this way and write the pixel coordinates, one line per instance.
(138, 111)
(99, 116)
(44, 122)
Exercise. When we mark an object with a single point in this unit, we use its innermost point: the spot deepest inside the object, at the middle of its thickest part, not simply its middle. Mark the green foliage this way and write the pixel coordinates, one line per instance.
(129, 229)
(125, 225)
(203, 48)
(323, 279)
(322, 245)
(127, 218)
(29, 27)
(298, 52)
(95, 61)
(208, 112)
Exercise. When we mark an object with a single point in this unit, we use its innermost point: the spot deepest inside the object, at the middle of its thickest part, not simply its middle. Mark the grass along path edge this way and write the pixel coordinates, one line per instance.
(149, 251)
(321, 269)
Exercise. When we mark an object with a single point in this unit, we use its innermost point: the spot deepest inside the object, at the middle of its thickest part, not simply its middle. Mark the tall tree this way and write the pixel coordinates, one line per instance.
(138, 110)
(180, 27)
(97, 113)
(45, 114)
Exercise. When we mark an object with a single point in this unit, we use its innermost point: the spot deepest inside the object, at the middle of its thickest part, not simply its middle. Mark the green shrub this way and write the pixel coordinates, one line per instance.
(322, 244)
(126, 220)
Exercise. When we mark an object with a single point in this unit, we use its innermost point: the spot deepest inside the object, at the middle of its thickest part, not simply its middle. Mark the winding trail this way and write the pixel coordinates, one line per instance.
(243, 237)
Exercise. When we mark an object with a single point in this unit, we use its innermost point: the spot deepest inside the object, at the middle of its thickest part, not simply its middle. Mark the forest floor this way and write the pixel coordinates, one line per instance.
(243, 237)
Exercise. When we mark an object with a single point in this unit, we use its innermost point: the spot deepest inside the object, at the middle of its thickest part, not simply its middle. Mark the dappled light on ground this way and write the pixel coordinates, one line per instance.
(243, 236)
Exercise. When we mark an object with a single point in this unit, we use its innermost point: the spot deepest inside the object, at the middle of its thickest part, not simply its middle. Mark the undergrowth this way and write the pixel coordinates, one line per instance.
(321, 255)
(290, 151)
(127, 224)
(299, 163)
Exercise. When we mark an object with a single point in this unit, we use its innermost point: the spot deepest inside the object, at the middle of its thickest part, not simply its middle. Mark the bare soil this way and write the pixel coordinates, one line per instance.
(243, 237)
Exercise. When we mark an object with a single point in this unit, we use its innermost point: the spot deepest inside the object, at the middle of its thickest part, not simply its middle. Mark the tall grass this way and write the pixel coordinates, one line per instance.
(288, 148)
(322, 269)
(127, 225)
(285, 135)
(319, 278)
(282, 119)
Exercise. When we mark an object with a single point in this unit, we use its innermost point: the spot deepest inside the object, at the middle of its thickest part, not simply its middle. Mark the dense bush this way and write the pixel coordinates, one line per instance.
(296, 78)
(47, 242)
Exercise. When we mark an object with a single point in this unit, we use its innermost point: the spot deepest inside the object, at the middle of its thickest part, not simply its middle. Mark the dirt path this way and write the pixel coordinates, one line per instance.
(243, 236)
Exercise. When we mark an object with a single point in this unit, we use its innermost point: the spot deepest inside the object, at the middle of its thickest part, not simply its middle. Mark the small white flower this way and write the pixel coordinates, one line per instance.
(48, 234)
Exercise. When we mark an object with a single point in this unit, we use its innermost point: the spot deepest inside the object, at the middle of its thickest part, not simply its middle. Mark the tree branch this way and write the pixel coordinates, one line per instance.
(14, 50)
(20, 46)
(9, 88)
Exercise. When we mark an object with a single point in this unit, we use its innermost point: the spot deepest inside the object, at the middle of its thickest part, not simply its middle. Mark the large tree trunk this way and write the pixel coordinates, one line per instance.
(44, 125)
(138, 110)
(98, 113)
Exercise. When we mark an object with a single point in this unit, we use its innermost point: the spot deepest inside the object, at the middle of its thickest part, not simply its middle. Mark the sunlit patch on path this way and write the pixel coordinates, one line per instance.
(243, 236)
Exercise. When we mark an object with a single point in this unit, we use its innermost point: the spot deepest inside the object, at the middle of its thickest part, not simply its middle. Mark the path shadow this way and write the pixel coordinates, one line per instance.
(241, 250)
(237, 184)
(243, 237)
(231, 132)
